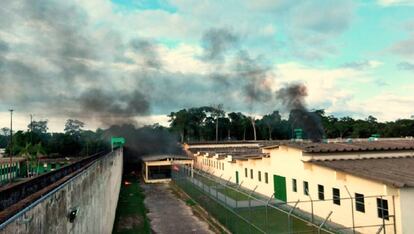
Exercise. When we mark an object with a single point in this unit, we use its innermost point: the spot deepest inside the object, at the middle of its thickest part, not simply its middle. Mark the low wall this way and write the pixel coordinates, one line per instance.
(93, 194)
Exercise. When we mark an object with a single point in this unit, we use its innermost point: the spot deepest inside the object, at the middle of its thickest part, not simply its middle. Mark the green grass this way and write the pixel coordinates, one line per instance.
(274, 221)
(233, 194)
(131, 210)
(205, 180)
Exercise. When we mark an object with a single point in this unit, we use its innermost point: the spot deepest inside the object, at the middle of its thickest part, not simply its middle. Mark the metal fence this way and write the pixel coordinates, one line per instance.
(245, 211)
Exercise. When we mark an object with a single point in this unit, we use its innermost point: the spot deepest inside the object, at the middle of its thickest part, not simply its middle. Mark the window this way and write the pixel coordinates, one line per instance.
(321, 192)
(251, 173)
(359, 202)
(306, 188)
(382, 208)
(222, 166)
(245, 172)
(259, 175)
(294, 185)
(266, 178)
(336, 196)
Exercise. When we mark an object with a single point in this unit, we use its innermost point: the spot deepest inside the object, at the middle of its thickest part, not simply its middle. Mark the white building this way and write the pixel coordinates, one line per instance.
(364, 184)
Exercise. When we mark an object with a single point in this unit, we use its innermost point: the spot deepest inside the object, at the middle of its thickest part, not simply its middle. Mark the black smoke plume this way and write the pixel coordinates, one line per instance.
(252, 73)
(293, 98)
(147, 140)
(111, 108)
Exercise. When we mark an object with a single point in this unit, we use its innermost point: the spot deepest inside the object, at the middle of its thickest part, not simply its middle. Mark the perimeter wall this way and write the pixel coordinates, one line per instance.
(92, 194)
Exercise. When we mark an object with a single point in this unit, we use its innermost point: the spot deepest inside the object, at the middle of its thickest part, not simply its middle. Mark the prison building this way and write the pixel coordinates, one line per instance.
(364, 184)
(157, 168)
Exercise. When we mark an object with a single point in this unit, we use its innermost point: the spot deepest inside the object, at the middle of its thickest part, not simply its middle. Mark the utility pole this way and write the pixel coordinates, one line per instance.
(11, 145)
(31, 129)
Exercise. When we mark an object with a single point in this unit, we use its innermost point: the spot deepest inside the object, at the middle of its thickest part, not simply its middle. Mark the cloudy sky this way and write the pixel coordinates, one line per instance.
(108, 62)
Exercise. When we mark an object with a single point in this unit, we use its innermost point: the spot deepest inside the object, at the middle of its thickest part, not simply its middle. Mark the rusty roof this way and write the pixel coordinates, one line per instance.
(389, 145)
(397, 172)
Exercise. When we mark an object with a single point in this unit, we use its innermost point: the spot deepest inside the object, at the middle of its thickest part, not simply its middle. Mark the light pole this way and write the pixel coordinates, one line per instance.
(31, 129)
(11, 145)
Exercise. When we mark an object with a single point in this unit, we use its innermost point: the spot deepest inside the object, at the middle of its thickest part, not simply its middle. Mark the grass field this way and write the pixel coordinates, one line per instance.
(237, 219)
(131, 213)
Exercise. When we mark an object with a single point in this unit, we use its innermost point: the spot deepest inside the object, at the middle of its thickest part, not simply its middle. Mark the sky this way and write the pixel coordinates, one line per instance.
(112, 62)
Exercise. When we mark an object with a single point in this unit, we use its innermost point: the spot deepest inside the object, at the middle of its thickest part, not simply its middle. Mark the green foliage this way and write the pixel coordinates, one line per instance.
(74, 142)
(196, 124)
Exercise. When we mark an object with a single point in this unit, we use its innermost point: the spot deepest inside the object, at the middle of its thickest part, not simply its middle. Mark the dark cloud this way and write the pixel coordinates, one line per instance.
(148, 51)
(63, 66)
(216, 42)
(107, 106)
(252, 74)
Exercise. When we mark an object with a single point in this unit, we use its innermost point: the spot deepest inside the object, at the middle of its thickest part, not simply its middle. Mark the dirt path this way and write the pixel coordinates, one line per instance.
(168, 214)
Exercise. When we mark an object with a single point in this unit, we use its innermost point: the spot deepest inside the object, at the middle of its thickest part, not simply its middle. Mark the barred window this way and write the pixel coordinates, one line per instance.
(336, 194)
(306, 188)
(359, 202)
(321, 192)
(382, 208)
(294, 185)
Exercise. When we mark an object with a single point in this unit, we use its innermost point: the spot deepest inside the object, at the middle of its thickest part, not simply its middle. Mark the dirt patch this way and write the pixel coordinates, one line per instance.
(129, 222)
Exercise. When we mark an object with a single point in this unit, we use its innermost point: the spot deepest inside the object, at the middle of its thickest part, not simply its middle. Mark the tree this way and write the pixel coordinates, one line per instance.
(178, 122)
(39, 127)
(253, 122)
(73, 127)
(271, 121)
(217, 112)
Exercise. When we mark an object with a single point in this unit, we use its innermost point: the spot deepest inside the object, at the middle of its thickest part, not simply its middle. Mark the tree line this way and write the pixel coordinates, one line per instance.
(192, 124)
(36, 140)
(212, 123)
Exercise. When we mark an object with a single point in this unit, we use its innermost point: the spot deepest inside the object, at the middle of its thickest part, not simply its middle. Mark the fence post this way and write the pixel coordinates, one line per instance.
(237, 189)
(290, 213)
(267, 204)
(323, 223)
(352, 209)
(393, 215)
(311, 201)
(250, 203)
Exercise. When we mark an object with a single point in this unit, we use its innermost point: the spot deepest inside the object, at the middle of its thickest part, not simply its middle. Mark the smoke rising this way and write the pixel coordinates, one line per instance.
(248, 75)
(293, 98)
(148, 140)
(59, 62)
(253, 73)
(216, 42)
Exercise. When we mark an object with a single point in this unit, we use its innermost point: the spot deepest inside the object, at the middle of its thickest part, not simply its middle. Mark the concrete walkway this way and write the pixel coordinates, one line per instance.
(168, 214)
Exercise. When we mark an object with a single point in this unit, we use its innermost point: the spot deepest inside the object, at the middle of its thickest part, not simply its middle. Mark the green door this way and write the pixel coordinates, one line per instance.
(237, 177)
(279, 183)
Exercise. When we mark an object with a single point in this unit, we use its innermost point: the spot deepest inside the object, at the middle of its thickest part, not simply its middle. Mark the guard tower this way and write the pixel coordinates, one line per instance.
(117, 142)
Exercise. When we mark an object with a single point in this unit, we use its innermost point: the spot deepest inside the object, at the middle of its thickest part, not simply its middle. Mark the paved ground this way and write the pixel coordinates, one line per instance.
(168, 214)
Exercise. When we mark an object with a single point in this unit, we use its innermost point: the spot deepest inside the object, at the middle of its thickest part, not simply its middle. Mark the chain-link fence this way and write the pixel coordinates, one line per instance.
(245, 211)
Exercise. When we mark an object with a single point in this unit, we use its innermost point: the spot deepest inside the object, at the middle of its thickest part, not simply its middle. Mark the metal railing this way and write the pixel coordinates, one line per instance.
(10, 195)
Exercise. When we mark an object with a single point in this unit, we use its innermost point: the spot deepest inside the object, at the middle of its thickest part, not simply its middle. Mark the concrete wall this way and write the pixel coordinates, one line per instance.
(287, 162)
(94, 193)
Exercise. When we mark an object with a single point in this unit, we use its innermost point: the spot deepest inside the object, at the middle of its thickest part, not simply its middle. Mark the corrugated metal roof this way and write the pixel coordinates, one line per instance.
(379, 145)
(398, 172)
(160, 157)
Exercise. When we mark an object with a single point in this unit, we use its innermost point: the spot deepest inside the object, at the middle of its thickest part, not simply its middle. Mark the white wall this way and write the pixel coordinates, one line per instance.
(407, 210)
(287, 162)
